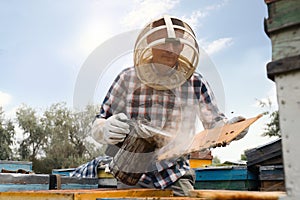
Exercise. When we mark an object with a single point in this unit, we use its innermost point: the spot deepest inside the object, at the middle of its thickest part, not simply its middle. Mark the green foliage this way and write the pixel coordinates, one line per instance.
(7, 133)
(272, 127)
(56, 138)
(243, 157)
(216, 161)
(35, 136)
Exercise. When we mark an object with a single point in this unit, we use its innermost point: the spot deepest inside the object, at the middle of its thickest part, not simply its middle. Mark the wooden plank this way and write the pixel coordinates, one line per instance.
(236, 195)
(274, 172)
(118, 193)
(136, 194)
(210, 138)
(288, 64)
(285, 49)
(84, 194)
(30, 195)
(272, 185)
(153, 198)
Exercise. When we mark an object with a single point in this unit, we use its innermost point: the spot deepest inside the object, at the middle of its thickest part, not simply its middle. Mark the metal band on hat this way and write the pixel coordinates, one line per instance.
(169, 24)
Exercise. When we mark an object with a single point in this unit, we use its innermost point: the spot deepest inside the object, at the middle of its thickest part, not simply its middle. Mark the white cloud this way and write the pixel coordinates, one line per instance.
(5, 99)
(193, 20)
(217, 45)
(144, 10)
(216, 6)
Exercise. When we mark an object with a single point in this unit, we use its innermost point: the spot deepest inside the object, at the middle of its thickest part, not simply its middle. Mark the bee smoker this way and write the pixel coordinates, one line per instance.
(132, 157)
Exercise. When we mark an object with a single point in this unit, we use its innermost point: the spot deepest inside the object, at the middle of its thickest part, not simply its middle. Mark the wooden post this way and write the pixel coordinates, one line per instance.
(283, 28)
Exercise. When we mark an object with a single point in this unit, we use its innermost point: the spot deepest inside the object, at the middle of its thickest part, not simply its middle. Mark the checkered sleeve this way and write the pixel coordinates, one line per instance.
(114, 101)
(89, 169)
(209, 111)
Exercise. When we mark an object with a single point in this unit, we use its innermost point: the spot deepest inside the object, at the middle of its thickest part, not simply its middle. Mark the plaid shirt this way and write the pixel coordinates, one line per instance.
(89, 169)
(164, 109)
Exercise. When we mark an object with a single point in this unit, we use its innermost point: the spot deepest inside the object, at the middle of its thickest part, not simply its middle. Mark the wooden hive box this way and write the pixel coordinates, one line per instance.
(268, 154)
(226, 178)
(271, 178)
(63, 172)
(15, 165)
(200, 159)
(21, 182)
(105, 180)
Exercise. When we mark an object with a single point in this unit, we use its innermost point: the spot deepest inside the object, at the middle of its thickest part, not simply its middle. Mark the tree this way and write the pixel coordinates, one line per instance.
(7, 132)
(80, 131)
(272, 127)
(57, 121)
(57, 138)
(35, 136)
(216, 160)
(68, 132)
(243, 156)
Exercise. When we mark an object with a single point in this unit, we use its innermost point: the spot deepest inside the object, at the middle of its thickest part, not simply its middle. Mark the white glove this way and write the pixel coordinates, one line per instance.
(114, 129)
(235, 120)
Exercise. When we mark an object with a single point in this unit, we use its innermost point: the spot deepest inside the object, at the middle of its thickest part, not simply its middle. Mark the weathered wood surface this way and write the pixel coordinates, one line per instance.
(282, 14)
(274, 172)
(85, 194)
(272, 186)
(282, 26)
(137, 194)
(236, 195)
(271, 178)
(268, 154)
(286, 45)
(208, 138)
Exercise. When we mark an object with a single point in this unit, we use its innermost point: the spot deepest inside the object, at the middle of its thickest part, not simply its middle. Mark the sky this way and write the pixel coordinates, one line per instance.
(45, 46)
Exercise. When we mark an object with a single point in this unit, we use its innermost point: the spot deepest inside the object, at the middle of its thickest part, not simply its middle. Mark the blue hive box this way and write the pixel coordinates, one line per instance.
(226, 178)
(15, 165)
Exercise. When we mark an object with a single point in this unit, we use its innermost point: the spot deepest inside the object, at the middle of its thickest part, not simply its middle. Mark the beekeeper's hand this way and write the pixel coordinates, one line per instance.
(115, 129)
(235, 120)
(112, 130)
